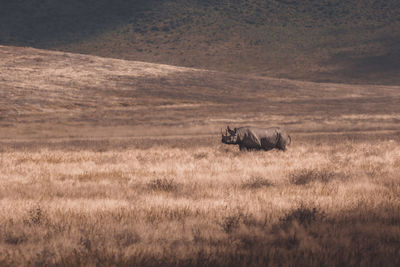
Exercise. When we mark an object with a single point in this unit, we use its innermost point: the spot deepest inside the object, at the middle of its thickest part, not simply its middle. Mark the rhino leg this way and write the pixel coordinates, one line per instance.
(281, 143)
(280, 146)
(244, 148)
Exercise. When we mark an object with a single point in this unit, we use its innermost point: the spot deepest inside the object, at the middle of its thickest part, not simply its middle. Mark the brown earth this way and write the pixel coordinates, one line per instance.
(48, 94)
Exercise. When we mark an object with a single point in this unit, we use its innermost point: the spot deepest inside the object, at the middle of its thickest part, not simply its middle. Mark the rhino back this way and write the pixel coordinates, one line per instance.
(248, 137)
(262, 138)
(255, 137)
(270, 137)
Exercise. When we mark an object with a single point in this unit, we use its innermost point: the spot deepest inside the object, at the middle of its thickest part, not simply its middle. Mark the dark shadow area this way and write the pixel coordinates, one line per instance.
(381, 69)
(381, 66)
(42, 23)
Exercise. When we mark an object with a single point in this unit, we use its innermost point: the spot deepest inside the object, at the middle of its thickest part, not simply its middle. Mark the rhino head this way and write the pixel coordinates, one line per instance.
(230, 136)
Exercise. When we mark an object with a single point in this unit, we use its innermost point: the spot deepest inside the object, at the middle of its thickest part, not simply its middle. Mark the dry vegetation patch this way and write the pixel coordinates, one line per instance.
(305, 176)
(303, 215)
(256, 182)
(111, 162)
(208, 206)
(162, 184)
(79, 97)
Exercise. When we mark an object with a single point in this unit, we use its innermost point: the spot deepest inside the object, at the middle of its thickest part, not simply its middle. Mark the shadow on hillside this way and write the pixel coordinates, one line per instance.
(221, 35)
(377, 68)
(378, 62)
(44, 23)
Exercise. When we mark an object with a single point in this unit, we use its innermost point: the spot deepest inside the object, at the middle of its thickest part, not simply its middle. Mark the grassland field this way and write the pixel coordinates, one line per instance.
(108, 162)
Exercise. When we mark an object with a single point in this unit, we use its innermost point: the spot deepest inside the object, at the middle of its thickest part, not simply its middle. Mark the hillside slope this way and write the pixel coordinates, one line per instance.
(330, 40)
(45, 94)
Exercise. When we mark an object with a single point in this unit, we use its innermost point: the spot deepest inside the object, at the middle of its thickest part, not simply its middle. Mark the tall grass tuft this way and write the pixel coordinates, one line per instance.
(303, 215)
(256, 182)
(163, 184)
(306, 176)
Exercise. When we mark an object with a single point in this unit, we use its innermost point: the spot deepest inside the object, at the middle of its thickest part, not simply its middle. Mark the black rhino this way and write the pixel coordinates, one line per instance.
(254, 138)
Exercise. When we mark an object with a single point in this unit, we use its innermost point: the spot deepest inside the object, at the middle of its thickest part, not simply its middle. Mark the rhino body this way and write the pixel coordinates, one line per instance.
(254, 138)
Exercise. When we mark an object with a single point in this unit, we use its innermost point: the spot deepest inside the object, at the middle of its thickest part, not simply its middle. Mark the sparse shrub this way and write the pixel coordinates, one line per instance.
(288, 239)
(306, 176)
(373, 169)
(86, 243)
(126, 238)
(196, 235)
(14, 239)
(229, 223)
(157, 215)
(293, 228)
(200, 155)
(249, 220)
(142, 159)
(239, 217)
(163, 184)
(230, 151)
(36, 217)
(98, 176)
(256, 182)
(303, 215)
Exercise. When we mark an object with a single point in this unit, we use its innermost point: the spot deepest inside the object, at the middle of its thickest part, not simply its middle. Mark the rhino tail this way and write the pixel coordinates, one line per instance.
(290, 139)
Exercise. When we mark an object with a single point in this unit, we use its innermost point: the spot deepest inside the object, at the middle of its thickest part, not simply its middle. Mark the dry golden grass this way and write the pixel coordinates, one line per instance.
(336, 203)
(46, 94)
(110, 162)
